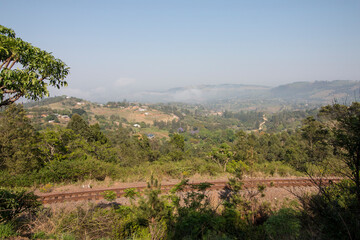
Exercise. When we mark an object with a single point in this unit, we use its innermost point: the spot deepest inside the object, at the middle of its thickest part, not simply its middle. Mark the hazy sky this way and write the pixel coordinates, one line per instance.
(116, 47)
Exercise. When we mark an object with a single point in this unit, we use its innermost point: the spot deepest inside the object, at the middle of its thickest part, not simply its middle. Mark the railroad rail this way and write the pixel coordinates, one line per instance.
(97, 194)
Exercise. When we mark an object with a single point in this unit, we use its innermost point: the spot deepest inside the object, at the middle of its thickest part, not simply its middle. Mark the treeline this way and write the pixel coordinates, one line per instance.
(288, 119)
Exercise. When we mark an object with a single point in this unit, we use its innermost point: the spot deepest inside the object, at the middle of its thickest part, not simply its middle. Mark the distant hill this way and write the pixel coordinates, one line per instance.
(233, 97)
(203, 93)
(316, 92)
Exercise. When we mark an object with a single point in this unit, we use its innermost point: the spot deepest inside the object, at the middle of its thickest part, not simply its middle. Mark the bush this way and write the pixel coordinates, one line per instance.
(109, 196)
(285, 224)
(14, 203)
(23, 180)
(276, 168)
(46, 188)
(75, 170)
(333, 213)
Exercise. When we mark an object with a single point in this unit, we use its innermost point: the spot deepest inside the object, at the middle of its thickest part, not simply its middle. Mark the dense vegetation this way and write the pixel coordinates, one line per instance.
(325, 144)
(39, 154)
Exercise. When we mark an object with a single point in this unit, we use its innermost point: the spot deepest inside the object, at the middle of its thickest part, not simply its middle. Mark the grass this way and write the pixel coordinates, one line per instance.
(7, 230)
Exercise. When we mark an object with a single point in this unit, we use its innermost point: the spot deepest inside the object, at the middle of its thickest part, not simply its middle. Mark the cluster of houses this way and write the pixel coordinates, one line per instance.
(144, 110)
(59, 116)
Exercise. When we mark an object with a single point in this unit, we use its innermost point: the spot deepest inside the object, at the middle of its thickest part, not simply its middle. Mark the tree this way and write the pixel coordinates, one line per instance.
(316, 135)
(19, 152)
(222, 155)
(79, 126)
(344, 122)
(338, 204)
(178, 142)
(176, 147)
(36, 69)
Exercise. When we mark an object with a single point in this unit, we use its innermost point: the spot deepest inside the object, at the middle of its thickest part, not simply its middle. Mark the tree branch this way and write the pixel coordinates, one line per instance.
(11, 100)
(13, 63)
(9, 91)
(7, 62)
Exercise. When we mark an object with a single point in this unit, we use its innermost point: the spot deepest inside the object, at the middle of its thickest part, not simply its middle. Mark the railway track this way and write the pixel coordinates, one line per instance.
(97, 194)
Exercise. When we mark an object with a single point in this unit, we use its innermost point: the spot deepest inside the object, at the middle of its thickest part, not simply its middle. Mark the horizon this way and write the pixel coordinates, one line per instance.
(205, 93)
(118, 48)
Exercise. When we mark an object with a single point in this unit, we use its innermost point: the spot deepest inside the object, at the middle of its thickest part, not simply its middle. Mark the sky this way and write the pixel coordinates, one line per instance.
(117, 48)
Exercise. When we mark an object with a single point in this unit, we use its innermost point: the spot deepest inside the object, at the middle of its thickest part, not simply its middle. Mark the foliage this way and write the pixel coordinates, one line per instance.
(75, 170)
(345, 126)
(195, 218)
(14, 203)
(18, 142)
(36, 69)
(109, 195)
(284, 224)
(334, 143)
(243, 212)
(7, 230)
(151, 211)
(46, 188)
(333, 213)
(79, 126)
(221, 155)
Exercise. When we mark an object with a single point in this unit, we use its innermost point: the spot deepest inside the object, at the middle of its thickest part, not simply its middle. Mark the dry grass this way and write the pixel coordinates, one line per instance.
(133, 114)
(86, 221)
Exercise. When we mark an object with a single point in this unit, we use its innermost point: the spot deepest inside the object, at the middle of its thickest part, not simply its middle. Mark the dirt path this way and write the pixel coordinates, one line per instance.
(261, 126)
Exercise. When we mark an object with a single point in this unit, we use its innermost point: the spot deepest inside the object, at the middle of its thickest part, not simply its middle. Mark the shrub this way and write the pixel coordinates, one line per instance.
(75, 170)
(276, 168)
(14, 203)
(333, 213)
(109, 196)
(285, 224)
(46, 188)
